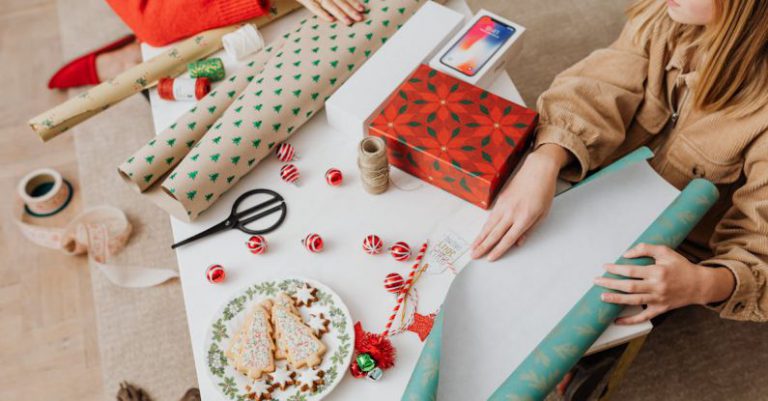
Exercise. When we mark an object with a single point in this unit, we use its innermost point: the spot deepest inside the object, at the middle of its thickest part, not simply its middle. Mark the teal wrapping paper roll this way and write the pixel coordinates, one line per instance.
(559, 351)
(544, 367)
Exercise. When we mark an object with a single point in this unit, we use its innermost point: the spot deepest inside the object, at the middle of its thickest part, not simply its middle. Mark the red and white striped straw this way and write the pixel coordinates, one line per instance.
(405, 290)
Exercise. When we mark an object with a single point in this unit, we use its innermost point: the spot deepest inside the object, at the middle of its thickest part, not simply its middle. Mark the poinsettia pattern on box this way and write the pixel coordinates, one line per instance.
(454, 135)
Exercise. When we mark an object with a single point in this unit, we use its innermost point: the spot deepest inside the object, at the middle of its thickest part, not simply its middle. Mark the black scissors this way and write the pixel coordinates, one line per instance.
(239, 219)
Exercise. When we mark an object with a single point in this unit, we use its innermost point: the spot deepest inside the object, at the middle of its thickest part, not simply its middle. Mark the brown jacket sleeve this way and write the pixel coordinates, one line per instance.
(740, 240)
(589, 106)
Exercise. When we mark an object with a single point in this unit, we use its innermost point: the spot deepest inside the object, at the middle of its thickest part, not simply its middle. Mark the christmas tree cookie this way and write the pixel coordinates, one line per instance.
(302, 348)
(284, 300)
(250, 351)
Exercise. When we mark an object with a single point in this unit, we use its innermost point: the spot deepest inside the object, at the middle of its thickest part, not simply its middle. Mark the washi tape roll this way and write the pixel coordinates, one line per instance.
(44, 192)
(211, 68)
(242, 42)
(183, 89)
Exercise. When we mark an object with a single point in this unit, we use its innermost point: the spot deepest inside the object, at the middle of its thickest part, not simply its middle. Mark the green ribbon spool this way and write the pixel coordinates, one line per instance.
(211, 68)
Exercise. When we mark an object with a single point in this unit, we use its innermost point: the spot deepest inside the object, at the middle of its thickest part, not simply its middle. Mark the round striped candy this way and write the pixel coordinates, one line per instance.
(394, 283)
(313, 242)
(333, 177)
(257, 244)
(372, 244)
(400, 251)
(285, 152)
(289, 173)
(215, 274)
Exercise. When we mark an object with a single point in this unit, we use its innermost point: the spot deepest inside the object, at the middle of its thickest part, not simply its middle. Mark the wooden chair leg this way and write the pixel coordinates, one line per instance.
(630, 353)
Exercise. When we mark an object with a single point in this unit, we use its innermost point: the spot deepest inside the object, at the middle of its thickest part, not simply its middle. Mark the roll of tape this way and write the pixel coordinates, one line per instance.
(44, 192)
(243, 42)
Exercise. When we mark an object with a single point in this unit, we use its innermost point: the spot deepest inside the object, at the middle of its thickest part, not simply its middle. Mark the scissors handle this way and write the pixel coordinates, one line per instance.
(239, 219)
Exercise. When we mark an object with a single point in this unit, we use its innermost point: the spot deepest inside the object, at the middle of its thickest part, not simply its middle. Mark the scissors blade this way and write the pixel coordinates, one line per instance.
(211, 230)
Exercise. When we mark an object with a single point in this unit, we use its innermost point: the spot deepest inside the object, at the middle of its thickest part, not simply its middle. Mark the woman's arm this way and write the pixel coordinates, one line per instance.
(584, 116)
(734, 279)
(160, 22)
(740, 241)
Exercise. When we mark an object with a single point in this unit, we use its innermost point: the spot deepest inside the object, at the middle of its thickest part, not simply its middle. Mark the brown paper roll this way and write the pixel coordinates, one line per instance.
(316, 59)
(171, 63)
(161, 154)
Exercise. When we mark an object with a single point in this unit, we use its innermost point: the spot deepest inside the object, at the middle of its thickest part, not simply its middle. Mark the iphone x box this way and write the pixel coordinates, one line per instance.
(480, 51)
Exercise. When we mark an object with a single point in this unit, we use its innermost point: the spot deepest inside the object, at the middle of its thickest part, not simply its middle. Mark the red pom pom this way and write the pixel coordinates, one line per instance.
(380, 348)
(355, 370)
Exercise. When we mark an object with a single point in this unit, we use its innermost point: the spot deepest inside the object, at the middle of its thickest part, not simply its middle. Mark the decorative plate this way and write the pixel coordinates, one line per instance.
(338, 340)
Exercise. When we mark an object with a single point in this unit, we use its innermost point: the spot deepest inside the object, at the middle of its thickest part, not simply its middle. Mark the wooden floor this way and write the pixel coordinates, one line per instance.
(48, 343)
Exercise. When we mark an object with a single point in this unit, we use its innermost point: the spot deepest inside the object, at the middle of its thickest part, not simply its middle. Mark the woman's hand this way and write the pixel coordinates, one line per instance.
(524, 202)
(671, 282)
(346, 11)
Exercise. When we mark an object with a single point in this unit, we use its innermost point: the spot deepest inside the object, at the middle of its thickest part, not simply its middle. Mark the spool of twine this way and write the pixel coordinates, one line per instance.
(373, 164)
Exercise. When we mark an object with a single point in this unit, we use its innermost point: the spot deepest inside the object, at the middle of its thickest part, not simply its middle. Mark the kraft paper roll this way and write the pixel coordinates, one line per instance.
(537, 375)
(163, 152)
(316, 59)
(99, 232)
(171, 63)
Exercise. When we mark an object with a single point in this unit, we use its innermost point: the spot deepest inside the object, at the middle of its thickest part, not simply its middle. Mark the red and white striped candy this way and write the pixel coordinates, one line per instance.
(333, 177)
(289, 173)
(400, 251)
(394, 283)
(257, 244)
(372, 244)
(285, 152)
(313, 242)
(215, 274)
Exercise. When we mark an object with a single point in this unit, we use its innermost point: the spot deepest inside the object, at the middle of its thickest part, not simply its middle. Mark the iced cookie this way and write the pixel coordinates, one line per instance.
(318, 323)
(309, 379)
(259, 391)
(305, 295)
(302, 348)
(250, 351)
(282, 378)
(284, 300)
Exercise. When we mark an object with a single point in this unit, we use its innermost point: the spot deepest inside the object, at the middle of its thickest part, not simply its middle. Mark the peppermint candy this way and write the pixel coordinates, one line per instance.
(285, 152)
(289, 173)
(400, 251)
(372, 244)
(257, 244)
(394, 283)
(215, 274)
(313, 242)
(333, 177)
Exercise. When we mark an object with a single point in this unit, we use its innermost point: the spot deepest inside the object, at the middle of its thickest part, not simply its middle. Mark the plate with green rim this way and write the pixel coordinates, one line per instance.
(339, 340)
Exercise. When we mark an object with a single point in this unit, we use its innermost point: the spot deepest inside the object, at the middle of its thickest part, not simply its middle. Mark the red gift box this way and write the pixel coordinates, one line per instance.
(454, 135)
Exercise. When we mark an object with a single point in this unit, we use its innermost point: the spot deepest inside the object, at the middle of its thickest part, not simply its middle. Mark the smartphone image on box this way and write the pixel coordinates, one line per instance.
(478, 45)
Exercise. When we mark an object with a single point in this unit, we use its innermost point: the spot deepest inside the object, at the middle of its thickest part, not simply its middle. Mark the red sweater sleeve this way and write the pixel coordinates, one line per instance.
(160, 22)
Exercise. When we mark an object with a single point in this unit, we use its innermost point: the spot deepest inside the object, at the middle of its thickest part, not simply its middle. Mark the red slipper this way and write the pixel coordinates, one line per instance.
(82, 70)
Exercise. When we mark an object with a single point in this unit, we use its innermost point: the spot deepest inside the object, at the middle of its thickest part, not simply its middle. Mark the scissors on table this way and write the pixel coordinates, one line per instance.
(240, 219)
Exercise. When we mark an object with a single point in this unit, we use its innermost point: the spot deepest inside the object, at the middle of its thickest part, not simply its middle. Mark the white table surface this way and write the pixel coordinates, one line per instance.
(342, 216)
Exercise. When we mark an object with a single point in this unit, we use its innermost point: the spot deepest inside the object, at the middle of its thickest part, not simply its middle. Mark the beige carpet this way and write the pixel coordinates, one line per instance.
(142, 333)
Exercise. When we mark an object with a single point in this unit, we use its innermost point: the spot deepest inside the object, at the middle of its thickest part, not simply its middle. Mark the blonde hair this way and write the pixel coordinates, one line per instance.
(733, 72)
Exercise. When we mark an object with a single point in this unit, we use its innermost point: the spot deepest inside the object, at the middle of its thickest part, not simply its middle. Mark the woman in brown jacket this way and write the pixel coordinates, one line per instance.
(689, 79)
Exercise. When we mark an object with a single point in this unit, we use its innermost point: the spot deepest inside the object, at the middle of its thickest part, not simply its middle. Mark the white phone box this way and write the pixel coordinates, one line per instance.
(495, 65)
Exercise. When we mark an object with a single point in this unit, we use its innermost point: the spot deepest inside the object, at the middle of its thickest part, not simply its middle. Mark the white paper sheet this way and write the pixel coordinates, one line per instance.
(496, 313)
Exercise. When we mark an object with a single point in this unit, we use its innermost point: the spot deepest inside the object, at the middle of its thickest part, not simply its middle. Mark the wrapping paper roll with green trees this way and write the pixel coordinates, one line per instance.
(316, 59)
(541, 370)
(172, 62)
(163, 152)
